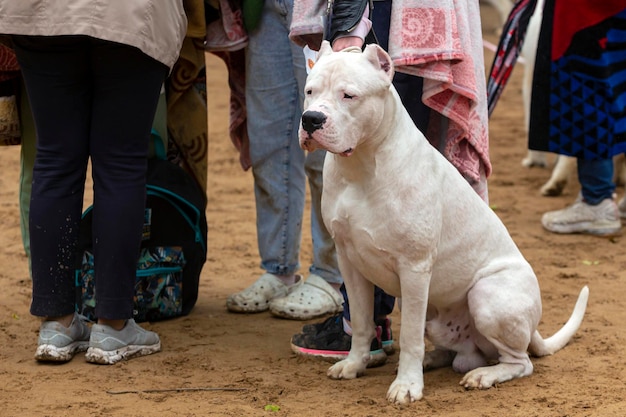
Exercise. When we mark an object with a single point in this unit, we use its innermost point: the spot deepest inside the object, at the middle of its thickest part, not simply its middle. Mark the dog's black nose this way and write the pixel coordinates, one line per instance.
(313, 120)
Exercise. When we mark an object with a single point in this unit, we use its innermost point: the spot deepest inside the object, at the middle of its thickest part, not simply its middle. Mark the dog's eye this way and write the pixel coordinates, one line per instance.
(347, 96)
(309, 92)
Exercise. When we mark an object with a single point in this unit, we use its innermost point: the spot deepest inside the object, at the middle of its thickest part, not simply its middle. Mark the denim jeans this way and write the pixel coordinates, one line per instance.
(275, 76)
(596, 179)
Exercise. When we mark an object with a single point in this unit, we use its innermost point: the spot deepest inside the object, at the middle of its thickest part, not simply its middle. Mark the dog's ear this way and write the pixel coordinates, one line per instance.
(380, 58)
(325, 49)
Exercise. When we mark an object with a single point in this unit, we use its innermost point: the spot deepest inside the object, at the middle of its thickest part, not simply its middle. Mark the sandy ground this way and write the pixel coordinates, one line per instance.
(217, 363)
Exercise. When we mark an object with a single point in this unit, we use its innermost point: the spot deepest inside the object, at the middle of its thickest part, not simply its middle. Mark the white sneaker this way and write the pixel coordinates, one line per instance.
(256, 298)
(601, 220)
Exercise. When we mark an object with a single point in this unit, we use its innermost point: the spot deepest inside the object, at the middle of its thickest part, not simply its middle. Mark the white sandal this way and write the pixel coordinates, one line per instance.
(256, 298)
(314, 298)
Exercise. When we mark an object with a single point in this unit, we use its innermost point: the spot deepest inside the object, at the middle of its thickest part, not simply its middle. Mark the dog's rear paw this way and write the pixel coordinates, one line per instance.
(403, 392)
(478, 378)
(488, 376)
(346, 369)
(553, 188)
(530, 163)
(535, 159)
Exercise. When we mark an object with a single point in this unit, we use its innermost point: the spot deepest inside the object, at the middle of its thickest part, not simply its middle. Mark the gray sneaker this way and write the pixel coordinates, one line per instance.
(601, 220)
(108, 346)
(58, 343)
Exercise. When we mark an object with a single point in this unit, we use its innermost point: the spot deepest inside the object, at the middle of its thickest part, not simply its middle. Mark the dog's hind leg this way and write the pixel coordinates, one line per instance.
(454, 338)
(513, 364)
(506, 311)
(563, 170)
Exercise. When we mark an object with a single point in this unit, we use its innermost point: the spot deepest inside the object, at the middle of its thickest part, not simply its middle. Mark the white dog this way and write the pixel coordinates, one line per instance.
(404, 219)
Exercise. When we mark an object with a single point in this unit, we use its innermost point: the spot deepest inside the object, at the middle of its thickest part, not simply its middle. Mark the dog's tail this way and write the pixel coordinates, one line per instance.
(542, 347)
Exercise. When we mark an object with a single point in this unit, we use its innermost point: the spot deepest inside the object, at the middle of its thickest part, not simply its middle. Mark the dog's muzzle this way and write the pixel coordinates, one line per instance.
(313, 120)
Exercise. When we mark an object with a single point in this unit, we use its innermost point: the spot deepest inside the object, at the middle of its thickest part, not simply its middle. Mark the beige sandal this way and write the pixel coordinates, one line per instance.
(256, 298)
(314, 298)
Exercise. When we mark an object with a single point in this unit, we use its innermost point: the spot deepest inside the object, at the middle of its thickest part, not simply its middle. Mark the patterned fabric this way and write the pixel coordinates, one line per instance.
(508, 50)
(186, 106)
(579, 108)
(158, 288)
(441, 41)
(10, 130)
(227, 39)
(9, 68)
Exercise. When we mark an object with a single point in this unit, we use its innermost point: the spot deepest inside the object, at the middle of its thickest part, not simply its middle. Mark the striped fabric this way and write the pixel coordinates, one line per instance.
(509, 48)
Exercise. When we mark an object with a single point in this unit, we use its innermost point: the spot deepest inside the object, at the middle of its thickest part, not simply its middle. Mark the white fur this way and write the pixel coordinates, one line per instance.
(404, 219)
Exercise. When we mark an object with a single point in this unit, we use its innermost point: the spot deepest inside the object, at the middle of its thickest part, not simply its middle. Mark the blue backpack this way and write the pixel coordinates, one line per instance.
(173, 249)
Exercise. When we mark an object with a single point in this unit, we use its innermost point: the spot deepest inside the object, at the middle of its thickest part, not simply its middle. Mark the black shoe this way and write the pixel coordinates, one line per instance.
(386, 336)
(385, 325)
(328, 341)
(317, 327)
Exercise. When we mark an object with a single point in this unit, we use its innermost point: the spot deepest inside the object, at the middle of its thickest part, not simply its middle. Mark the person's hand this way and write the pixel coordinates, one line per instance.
(346, 42)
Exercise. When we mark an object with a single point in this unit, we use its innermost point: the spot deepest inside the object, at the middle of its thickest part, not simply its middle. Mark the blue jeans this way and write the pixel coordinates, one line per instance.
(275, 77)
(596, 179)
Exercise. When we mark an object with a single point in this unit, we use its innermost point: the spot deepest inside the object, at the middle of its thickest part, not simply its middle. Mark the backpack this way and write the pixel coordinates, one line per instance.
(173, 248)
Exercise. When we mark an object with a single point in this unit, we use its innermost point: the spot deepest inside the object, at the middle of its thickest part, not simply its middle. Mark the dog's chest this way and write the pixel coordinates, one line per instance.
(363, 230)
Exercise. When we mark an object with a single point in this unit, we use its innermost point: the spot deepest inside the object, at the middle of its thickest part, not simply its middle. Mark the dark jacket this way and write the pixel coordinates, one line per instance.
(345, 17)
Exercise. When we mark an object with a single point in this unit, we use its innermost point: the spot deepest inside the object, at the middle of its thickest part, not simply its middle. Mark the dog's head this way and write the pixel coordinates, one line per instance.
(345, 97)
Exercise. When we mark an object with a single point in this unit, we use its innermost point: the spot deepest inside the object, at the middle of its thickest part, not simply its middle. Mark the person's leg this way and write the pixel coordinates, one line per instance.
(595, 211)
(126, 88)
(319, 295)
(51, 68)
(126, 85)
(273, 108)
(596, 180)
(324, 253)
(273, 103)
(62, 124)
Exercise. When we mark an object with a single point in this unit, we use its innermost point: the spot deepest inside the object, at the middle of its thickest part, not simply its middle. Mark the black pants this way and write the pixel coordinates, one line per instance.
(90, 98)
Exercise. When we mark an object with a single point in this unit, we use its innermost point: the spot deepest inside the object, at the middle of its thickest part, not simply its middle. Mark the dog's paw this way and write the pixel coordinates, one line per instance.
(346, 369)
(488, 376)
(479, 378)
(404, 391)
(553, 188)
(535, 159)
(530, 163)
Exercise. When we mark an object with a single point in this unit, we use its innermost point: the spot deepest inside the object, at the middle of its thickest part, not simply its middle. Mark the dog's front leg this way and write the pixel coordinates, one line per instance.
(361, 296)
(409, 383)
